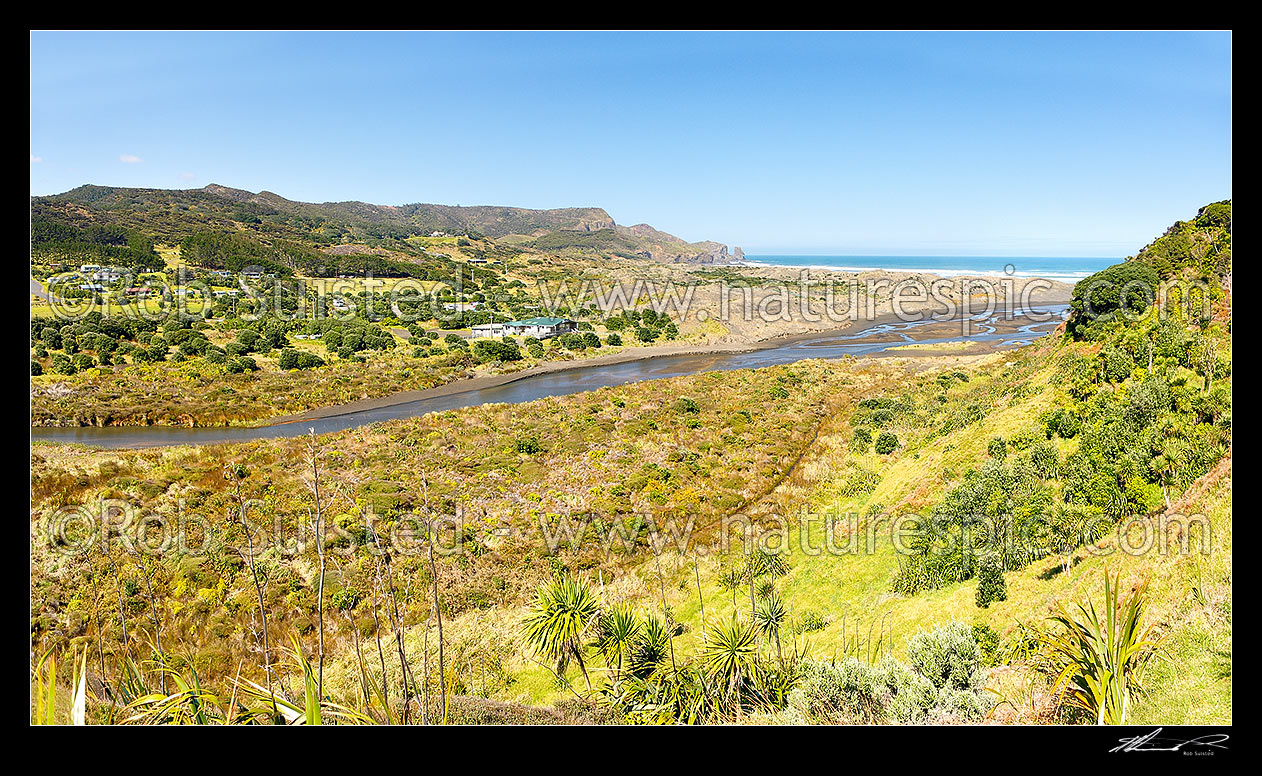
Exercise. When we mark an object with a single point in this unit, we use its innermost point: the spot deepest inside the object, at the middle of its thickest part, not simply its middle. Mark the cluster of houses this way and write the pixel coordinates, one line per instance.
(97, 278)
(102, 274)
(539, 328)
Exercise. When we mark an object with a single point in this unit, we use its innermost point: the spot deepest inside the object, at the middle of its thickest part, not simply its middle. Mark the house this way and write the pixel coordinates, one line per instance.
(459, 307)
(254, 273)
(488, 330)
(539, 328)
(97, 287)
(101, 274)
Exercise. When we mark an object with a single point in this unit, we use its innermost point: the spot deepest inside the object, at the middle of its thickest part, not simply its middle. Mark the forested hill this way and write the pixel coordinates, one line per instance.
(1200, 247)
(169, 212)
(170, 215)
(1198, 250)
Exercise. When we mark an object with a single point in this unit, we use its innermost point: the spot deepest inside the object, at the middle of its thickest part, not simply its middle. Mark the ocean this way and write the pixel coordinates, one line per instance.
(1066, 269)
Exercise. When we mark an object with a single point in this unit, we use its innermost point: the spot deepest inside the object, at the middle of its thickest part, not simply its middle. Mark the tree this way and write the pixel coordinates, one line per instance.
(991, 586)
(769, 618)
(563, 610)
(730, 655)
(616, 635)
(1129, 288)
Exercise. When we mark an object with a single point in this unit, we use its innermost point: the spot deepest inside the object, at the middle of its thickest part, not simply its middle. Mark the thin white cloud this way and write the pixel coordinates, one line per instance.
(129, 159)
(188, 176)
(36, 159)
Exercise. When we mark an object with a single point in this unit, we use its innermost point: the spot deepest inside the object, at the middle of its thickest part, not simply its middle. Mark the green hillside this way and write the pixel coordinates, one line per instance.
(169, 216)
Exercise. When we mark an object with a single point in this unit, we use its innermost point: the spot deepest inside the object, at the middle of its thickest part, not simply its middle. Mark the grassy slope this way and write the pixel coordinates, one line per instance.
(1190, 594)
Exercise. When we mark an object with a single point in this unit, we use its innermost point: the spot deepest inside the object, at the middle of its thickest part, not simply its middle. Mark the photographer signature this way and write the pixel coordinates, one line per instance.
(1151, 743)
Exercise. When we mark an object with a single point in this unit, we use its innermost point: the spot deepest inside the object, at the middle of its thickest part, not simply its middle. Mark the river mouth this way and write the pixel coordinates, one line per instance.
(991, 331)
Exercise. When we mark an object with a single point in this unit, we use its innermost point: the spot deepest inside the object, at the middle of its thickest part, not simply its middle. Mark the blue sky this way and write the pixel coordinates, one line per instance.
(1028, 144)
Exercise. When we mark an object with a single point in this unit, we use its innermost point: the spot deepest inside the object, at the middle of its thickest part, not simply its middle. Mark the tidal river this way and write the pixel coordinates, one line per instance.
(987, 330)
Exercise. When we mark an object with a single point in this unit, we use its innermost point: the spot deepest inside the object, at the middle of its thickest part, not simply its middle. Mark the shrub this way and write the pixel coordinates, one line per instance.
(291, 358)
(1117, 363)
(1099, 657)
(849, 691)
(685, 406)
(529, 445)
(486, 351)
(248, 338)
(997, 448)
(855, 692)
(242, 364)
(886, 443)
(1045, 459)
(911, 697)
(861, 439)
(1063, 423)
(613, 339)
(991, 586)
(947, 656)
(987, 642)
